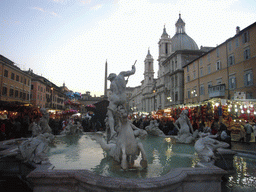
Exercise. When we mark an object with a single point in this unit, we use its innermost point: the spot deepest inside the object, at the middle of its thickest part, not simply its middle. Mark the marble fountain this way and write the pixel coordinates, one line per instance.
(124, 158)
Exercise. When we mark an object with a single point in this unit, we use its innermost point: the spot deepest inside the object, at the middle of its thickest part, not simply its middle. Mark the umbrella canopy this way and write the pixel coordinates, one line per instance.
(91, 106)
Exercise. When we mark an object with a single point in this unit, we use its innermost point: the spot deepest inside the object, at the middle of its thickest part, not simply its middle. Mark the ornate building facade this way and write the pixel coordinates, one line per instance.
(168, 88)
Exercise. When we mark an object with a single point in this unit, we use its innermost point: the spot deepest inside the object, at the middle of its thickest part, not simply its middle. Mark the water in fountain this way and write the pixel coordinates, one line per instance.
(81, 152)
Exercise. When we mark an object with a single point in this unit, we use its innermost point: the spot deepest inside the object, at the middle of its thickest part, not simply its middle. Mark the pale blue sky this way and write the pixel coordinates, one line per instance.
(70, 40)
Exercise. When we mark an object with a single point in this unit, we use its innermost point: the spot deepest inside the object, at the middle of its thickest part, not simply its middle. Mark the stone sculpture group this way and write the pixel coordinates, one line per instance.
(186, 133)
(122, 142)
(72, 129)
(206, 145)
(35, 148)
(153, 129)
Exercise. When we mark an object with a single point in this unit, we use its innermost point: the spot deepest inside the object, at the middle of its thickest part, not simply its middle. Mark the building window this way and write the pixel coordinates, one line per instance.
(175, 65)
(25, 81)
(188, 78)
(12, 76)
(16, 93)
(219, 81)
(11, 93)
(209, 69)
(27, 96)
(201, 89)
(201, 72)
(194, 65)
(17, 77)
(230, 46)
(247, 53)
(245, 37)
(237, 42)
(176, 96)
(5, 73)
(209, 85)
(249, 95)
(176, 81)
(218, 66)
(248, 80)
(188, 93)
(201, 61)
(21, 94)
(38, 88)
(218, 52)
(194, 74)
(24, 96)
(232, 82)
(208, 58)
(21, 79)
(4, 90)
(231, 60)
(166, 48)
(32, 87)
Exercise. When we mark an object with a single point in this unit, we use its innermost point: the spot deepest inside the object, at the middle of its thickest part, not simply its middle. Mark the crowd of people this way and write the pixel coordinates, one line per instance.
(21, 127)
(216, 127)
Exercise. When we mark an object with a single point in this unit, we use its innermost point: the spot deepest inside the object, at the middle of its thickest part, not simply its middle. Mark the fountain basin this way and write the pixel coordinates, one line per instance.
(81, 152)
(161, 156)
(179, 179)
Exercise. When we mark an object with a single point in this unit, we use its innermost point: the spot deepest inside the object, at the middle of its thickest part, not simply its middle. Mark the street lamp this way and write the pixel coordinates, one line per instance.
(169, 98)
(154, 91)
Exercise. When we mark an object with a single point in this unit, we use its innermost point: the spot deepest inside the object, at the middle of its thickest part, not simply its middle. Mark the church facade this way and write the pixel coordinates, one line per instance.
(167, 89)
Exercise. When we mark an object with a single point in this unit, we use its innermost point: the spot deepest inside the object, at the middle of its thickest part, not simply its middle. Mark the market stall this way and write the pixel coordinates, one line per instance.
(233, 113)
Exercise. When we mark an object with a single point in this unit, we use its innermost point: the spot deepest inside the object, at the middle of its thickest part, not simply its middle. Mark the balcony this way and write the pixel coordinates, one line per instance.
(217, 90)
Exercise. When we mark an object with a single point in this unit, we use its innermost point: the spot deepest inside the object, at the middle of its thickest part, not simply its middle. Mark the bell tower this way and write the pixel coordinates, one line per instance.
(164, 45)
(149, 69)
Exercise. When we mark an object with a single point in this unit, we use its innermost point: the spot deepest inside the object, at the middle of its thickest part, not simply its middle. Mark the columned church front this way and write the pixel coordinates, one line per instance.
(167, 90)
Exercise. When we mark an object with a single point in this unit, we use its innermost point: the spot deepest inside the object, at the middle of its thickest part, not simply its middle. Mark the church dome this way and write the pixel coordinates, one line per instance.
(181, 41)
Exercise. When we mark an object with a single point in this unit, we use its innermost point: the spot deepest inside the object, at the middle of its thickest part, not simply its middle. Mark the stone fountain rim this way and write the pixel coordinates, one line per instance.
(85, 177)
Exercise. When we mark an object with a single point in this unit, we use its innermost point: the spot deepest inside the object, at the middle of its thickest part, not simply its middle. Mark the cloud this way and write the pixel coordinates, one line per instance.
(45, 11)
(96, 7)
(58, 1)
(85, 1)
(54, 14)
(39, 9)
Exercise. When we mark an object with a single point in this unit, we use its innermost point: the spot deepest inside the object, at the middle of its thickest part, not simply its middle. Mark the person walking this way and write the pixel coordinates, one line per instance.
(248, 130)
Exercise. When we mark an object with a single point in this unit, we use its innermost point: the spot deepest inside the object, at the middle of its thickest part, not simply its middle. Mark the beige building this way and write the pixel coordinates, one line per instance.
(226, 72)
(15, 83)
(46, 94)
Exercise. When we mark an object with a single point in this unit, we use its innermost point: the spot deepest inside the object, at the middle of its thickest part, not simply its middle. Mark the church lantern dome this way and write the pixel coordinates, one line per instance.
(181, 41)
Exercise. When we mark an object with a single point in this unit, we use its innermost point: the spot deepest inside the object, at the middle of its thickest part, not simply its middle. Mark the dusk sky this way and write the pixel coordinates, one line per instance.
(70, 40)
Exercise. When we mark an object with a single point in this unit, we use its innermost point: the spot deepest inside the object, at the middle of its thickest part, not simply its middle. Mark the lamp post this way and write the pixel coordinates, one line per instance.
(154, 91)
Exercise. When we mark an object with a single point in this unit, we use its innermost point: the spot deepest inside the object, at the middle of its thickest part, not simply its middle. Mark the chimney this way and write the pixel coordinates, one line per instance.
(237, 29)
